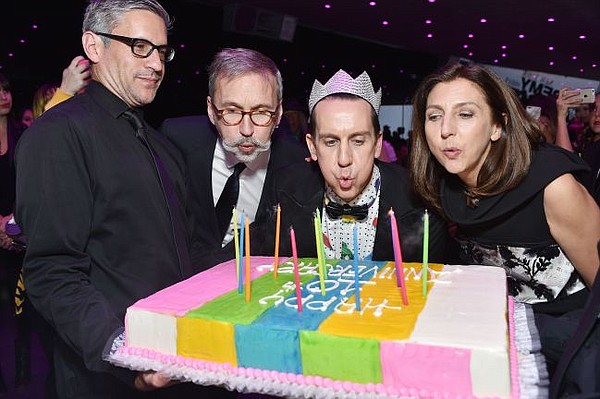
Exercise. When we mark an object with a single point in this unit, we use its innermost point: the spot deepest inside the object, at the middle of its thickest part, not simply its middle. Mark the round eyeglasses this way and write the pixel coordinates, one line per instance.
(143, 48)
(233, 117)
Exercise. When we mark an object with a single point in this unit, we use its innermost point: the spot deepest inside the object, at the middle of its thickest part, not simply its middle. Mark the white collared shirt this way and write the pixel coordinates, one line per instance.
(252, 181)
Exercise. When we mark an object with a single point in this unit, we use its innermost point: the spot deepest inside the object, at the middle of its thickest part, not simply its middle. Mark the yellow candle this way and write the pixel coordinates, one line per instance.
(321, 246)
(277, 229)
(247, 228)
(319, 254)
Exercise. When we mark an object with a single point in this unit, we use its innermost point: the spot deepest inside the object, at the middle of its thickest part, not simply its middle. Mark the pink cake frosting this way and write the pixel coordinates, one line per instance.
(194, 292)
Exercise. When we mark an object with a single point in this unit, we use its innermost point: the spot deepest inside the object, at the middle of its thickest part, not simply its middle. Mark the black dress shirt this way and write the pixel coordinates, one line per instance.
(98, 228)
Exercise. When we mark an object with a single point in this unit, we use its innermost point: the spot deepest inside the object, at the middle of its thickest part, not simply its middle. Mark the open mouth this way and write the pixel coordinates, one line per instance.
(345, 182)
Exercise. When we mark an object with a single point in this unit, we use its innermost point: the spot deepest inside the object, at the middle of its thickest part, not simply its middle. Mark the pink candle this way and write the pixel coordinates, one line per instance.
(296, 272)
(398, 256)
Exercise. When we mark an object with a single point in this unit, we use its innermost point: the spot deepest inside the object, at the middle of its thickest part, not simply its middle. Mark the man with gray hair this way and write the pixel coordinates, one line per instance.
(347, 185)
(101, 200)
(232, 153)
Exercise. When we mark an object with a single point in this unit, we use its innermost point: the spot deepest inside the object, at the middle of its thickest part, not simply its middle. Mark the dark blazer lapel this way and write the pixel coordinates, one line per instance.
(382, 248)
(301, 193)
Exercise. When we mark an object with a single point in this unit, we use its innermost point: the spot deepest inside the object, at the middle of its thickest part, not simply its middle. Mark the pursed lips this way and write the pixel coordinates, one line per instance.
(451, 152)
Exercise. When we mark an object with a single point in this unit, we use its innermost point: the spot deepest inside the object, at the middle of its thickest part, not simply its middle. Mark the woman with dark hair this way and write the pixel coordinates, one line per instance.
(480, 159)
(10, 256)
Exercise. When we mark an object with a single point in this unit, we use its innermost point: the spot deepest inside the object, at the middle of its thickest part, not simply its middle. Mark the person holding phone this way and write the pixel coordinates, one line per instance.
(569, 98)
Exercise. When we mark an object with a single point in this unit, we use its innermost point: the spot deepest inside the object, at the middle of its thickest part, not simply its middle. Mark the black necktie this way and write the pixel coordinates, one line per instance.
(228, 199)
(335, 211)
(588, 319)
(177, 219)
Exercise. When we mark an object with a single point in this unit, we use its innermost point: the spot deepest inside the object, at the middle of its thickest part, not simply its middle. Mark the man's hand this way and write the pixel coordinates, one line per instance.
(150, 380)
(3, 221)
(76, 76)
(5, 241)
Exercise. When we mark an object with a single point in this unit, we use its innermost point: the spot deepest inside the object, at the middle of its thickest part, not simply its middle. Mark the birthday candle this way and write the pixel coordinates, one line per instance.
(277, 228)
(247, 260)
(319, 255)
(398, 256)
(425, 268)
(239, 265)
(236, 242)
(296, 272)
(321, 246)
(356, 277)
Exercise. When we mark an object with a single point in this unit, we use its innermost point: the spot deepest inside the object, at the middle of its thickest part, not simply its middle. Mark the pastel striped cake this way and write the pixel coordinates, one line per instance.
(453, 342)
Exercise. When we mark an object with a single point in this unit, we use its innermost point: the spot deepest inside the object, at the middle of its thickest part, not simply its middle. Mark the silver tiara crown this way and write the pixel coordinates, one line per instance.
(341, 82)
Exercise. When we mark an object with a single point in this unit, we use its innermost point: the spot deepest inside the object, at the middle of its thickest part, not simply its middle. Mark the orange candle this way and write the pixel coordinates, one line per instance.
(247, 228)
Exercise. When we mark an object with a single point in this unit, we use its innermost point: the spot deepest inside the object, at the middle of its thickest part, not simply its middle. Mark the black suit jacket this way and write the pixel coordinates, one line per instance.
(196, 138)
(299, 190)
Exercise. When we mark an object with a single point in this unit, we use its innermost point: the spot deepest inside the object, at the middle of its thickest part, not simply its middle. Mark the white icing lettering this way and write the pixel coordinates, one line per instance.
(315, 286)
(347, 308)
(322, 305)
(279, 296)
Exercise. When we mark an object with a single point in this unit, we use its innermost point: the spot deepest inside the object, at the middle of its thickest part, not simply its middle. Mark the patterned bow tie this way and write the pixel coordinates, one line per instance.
(335, 211)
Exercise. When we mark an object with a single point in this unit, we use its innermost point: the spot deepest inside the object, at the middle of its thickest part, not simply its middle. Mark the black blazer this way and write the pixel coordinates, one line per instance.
(299, 190)
(196, 138)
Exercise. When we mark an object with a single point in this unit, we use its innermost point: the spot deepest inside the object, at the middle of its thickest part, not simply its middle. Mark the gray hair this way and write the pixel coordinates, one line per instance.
(105, 15)
(230, 63)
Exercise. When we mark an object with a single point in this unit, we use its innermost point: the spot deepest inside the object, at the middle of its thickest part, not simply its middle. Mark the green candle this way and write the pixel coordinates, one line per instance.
(321, 246)
(320, 260)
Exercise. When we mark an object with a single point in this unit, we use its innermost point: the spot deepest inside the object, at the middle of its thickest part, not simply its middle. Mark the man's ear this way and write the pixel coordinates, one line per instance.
(278, 115)
(310, 142)
(92, 46)
(210, 111)
(378, 144)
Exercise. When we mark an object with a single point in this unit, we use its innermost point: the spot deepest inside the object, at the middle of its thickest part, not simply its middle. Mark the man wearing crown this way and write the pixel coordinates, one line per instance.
(347, 186)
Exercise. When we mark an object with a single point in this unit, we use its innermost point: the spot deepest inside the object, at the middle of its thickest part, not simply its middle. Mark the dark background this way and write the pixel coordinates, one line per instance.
(320, 46)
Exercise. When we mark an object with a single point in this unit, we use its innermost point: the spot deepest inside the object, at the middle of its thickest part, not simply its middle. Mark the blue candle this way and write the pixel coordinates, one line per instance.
(356, 279)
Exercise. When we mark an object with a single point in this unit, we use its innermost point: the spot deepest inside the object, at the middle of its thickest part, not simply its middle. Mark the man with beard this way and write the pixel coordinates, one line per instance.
(238, 139)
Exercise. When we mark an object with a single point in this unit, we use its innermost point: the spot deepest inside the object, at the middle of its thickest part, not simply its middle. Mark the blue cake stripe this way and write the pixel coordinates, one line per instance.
(271, 342)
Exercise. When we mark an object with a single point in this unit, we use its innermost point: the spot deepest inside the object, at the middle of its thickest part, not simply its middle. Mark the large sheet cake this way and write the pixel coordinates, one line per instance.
(453, 342)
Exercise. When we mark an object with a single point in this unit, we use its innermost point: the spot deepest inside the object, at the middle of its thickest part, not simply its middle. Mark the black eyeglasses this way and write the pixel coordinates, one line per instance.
(233, 117)
(143, 48)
